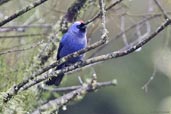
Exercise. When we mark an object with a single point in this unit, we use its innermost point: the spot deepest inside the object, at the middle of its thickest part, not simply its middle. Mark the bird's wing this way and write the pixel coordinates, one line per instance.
(59, 49)
(61, 44)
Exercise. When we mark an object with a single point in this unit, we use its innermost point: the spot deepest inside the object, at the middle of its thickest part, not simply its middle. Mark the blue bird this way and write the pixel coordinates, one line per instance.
(73, 40)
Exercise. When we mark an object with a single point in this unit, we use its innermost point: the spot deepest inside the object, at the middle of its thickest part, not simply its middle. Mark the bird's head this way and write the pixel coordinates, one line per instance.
(78, 27)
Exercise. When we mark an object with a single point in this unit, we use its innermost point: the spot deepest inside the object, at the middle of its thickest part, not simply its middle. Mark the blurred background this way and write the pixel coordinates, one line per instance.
(144, 77)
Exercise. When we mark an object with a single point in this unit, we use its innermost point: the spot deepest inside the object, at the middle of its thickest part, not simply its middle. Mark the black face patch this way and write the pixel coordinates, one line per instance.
(82, 27)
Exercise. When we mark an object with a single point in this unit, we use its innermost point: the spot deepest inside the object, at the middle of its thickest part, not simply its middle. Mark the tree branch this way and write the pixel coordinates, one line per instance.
(3, 2)
(102, 12)
(23, 28)
(108, 8)
(71, 88)
(91, 61)
(44, 55)
(126, 30)
(14, 90)
(22, 11)
(23, 35)
(23, 49)
(161, 9)
(78, 91)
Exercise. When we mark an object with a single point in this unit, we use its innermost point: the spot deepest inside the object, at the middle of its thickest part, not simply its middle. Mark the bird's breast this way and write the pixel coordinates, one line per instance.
(72, 46)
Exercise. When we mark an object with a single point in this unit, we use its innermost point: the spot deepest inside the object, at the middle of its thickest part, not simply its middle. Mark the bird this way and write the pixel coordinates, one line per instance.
(73, 40)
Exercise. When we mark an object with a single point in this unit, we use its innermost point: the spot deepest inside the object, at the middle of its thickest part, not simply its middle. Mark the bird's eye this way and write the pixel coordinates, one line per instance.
(81, 27)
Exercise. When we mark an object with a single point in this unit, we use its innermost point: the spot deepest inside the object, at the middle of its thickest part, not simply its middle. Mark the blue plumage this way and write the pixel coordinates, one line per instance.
(73, 40)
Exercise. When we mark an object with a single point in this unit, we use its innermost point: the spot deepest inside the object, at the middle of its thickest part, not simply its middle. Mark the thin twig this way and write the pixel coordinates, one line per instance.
(23, 49)
(80, 80)
(14, 90)
(122, 28)
(23, 35)
(102, 12)
(49, 48)
(92, 61)
(22, 28)
(22, 11)
(3, 2)
(123, 32)
(161, 9)
(71, 88)
(80, 91)
(108, 8)
(145, 86)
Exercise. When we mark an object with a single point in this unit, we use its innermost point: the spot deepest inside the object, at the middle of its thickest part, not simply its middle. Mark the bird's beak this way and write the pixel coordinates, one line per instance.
(82, 27)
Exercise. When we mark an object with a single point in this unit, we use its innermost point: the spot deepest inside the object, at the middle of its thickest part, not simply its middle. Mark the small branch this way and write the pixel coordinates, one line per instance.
(47, 51)
(70, 68)
(122, 28)
(14, 90)
(23, 27)
(161, 9)
(108, 8)
(80, 80)
(145, 86)
(126, 30)
(71, 14)
(74, 10)
(17, 87)
(3, 2)
(22, 11)
(23, 49)
(146, 14)
(142, 36)
(63, 26)
(91, 61)
(71, 88)
(102, 12)
(80, 91)
(23, 35)
(29, 26)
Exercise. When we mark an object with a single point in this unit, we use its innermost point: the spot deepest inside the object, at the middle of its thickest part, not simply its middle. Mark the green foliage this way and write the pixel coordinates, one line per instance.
(21, 104)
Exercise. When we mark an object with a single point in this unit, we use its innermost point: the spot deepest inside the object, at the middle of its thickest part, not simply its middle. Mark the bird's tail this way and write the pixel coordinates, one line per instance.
(55, 80)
